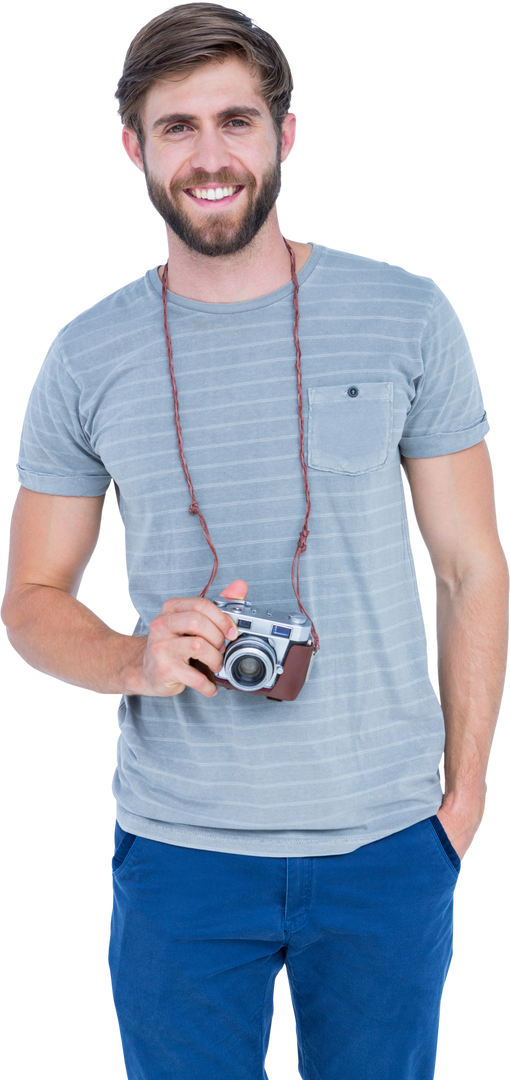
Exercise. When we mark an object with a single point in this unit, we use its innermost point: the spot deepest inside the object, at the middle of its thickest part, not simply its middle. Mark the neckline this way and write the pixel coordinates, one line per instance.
(266, 298)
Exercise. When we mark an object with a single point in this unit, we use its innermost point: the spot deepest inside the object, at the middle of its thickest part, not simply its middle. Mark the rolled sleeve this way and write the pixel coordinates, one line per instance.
(444, 442)
(446, 413)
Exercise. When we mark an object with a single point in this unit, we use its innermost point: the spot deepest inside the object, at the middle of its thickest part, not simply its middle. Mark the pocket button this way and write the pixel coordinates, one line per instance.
(353, 391)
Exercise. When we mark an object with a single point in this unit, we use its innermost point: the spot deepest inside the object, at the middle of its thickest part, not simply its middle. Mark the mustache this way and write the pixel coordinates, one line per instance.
(224, 178)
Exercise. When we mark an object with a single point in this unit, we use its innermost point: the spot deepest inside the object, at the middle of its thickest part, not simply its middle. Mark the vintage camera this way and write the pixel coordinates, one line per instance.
(273, 653)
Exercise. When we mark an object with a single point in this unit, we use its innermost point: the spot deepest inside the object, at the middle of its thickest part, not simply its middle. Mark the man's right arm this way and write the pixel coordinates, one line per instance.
(52, 540)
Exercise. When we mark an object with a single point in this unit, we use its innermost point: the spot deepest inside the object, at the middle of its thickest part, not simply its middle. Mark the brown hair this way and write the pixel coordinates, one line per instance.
(183, 37)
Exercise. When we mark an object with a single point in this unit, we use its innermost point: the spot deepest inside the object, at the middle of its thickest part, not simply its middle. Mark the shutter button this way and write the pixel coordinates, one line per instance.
(353, 391)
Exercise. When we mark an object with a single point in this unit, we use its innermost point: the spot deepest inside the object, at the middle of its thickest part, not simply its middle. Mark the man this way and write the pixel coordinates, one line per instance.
(251, 833)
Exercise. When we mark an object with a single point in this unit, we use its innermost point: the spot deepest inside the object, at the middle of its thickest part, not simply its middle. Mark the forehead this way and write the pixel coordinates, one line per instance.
(209, 89)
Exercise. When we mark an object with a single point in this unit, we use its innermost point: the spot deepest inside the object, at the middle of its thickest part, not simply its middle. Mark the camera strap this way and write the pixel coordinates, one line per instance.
(194, 507)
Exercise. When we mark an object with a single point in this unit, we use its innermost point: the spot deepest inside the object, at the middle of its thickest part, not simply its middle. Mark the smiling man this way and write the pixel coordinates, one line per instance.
(211, 150)
(274, 389)
(245, 127)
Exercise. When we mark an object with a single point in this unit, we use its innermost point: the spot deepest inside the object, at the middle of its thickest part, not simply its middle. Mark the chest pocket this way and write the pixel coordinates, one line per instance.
(349, 427)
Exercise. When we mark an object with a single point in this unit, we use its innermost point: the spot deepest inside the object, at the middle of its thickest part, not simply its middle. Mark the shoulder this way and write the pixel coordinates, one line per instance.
(126, 309)
(346, 262)
(124, 301)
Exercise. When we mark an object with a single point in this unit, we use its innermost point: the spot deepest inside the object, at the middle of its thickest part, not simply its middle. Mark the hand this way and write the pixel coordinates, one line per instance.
(460, 818)
(186, 628)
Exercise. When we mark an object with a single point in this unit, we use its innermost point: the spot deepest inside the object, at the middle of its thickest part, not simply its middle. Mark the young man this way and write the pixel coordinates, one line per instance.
(252, 834)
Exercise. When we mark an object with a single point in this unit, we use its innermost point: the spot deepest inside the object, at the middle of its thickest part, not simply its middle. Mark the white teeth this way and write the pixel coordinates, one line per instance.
(212, 194)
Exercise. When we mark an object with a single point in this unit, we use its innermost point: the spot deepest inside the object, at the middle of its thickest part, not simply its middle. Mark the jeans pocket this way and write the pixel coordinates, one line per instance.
(123, 849)
(447, 847)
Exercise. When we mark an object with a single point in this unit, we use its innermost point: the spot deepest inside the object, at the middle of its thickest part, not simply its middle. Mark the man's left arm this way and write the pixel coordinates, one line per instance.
(454, 505)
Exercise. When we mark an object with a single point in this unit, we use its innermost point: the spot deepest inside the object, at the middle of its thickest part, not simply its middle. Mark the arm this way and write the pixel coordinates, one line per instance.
(52, 540)
(454, 504)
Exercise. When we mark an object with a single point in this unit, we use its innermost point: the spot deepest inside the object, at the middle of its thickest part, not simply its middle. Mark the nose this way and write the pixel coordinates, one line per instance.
(210, 152)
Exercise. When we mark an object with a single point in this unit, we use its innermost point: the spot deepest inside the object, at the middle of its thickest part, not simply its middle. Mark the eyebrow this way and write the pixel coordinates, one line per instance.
(179, 118)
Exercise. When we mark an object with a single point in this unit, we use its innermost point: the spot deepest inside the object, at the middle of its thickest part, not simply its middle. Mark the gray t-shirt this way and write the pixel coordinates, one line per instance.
(356, 756)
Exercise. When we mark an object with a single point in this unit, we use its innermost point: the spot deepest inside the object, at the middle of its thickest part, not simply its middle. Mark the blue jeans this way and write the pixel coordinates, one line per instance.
(198, 938)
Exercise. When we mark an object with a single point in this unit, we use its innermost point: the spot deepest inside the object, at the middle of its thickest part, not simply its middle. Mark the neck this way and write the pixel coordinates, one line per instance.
(260, 268)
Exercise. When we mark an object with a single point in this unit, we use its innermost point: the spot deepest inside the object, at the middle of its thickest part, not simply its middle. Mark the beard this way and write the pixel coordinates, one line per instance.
(218, 234)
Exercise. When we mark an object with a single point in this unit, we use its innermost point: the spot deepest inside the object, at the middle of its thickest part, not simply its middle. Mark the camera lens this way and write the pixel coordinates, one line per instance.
(250, 663)
(249, 666)
(248, 671)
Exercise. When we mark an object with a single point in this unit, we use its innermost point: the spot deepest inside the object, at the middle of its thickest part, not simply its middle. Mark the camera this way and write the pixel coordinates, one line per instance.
(273, 653)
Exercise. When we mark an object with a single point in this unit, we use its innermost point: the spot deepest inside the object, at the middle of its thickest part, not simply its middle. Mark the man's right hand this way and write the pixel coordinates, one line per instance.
(53, 537)
(187, 628)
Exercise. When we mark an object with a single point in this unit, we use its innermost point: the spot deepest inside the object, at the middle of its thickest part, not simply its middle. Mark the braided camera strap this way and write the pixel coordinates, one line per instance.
(194, 507)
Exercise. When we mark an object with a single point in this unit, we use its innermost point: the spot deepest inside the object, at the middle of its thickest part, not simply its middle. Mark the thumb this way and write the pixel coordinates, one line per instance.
(236, 590)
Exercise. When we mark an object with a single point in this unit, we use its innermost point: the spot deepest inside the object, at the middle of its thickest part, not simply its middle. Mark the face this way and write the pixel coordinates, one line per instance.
(211, 156)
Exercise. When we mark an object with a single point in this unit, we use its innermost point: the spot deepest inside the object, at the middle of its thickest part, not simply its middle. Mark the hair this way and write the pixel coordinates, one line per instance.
(178, 40)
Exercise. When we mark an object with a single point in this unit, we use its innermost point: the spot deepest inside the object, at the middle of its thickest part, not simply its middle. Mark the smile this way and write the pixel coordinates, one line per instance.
(214, 194)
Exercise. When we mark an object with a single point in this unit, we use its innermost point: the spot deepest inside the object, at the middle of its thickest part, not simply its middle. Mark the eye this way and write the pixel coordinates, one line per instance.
(174, 129)
(238, 122)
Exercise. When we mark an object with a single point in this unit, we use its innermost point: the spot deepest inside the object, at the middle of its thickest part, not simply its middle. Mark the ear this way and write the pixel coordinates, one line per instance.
(288, 135)
(132, 147)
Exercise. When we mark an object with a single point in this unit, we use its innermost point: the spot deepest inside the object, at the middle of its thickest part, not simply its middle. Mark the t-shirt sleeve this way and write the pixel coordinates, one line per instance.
(447, 413)
(56, 457)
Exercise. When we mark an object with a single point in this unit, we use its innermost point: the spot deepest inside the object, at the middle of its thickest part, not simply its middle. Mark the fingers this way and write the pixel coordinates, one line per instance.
(199, 605)
(237, 590)
(168, 671)
(186, 628)
(196, 648)
(191, 623)
(189, 635)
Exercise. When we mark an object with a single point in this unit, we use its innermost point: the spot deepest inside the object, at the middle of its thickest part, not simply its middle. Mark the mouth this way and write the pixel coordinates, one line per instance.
(215, 194)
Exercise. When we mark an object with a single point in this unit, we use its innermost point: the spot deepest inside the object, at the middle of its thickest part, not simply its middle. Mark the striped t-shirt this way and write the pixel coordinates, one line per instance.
(356, 756)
